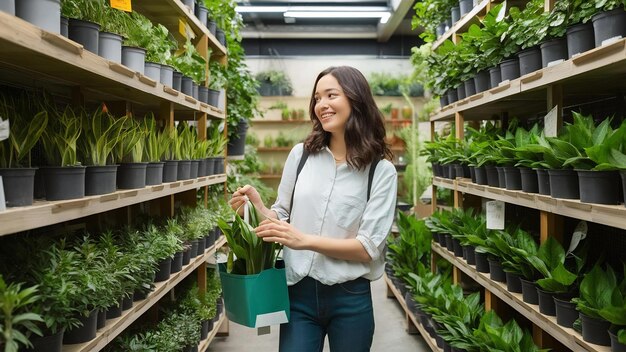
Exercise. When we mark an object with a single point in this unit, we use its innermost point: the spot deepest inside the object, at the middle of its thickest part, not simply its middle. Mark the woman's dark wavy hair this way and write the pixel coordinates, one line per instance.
(365, 128)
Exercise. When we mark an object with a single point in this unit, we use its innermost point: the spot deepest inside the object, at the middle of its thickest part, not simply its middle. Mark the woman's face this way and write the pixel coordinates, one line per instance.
(332, 107)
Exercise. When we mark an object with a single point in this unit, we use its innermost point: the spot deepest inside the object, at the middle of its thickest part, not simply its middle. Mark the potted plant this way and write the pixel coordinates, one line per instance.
(191, 64)
(186, 140)
(131, 173)
(85, 17)
(17, 319)
(216, 150)
(18, 177)
(101, 134)
(171, 154)
(155, 147)
(273, 83)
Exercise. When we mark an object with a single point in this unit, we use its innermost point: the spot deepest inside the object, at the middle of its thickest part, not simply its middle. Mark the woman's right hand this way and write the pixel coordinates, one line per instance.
(243, 194)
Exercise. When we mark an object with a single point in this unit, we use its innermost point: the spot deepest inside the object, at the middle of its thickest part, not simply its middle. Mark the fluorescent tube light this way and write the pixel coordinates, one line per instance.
(247, 9)
(337, 14)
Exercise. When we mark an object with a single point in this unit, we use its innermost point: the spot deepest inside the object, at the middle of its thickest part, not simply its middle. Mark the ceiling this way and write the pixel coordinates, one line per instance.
(323, 19)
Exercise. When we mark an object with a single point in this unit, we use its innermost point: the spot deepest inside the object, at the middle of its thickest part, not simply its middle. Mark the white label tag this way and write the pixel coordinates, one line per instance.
(550, 123)
(3, 205)
(495, 215)
(611, 40)
(555, 62)
(246, 216)
(580, 233)
(502, 12)
(273, 318)
(4, 129)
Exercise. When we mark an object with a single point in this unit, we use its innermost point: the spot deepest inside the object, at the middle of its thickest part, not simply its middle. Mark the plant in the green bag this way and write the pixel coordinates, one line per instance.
(253, 254)
(16, 317)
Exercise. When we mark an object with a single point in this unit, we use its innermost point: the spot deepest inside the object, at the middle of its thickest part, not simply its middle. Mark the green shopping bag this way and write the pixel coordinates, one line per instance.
(256, 300)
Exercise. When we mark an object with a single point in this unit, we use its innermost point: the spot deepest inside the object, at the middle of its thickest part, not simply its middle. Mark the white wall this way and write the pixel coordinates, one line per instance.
(303, 71)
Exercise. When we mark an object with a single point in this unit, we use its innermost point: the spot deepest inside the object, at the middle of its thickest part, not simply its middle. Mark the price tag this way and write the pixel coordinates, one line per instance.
(580, 233)
(4, 129)
(124, 5)
(550, 123)
(3, 205)
(495, 215)
(185, 30)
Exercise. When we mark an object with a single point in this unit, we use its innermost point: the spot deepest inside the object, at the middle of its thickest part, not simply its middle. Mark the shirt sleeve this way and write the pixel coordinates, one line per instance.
(282, 206)
(379, 211)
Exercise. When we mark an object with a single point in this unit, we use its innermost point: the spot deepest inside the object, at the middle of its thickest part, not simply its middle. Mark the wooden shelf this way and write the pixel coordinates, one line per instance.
(464, 22)
(589, 76)
(116, 326)
(36, 58)
(204, 344)
(169, 13)
(567, 336)
(411, 317)
(274, 149)
(43, 213)
(611, 215)
(270, 177)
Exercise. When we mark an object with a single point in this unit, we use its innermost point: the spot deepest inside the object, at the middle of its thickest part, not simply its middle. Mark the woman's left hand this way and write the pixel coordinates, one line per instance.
(282, 232)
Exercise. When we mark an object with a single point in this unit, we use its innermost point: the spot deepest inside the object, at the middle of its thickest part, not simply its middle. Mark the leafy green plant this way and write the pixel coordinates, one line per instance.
(157, 142)
(130, 146)
(187, 137)
(61, 137)
(217, 141)
(278, 80)
(253, 254)
(493, 335)
(15, 317)
(24, 134)
(596, 291)
(410, 251)
(518, 250)
(159, 48)
(558, 269)
(190, 62)
(101, 134)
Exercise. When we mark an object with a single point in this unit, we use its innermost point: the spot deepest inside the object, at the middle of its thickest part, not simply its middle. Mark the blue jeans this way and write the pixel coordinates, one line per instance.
(343, 311)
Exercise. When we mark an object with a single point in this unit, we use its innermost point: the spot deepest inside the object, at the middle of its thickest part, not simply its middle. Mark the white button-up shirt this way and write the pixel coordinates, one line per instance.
(331, 200)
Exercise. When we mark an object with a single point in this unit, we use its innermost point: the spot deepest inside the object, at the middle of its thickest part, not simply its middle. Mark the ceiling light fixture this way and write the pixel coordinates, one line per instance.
(383, 15)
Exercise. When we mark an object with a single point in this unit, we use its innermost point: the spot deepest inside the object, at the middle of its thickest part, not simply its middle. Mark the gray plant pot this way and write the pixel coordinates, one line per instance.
(214, 96)
(186, 86)
(177, 80)
(509, 69)
(184, 170)
(190, 4)
(85, 33)
(455, 12)
(167, 75)
(195, 91)
(202, 13)
(110, 46)
(609, 24)
(152, 70)
(170, 171)
(134, 58)
(211, 26)
(465, 6)
(237, 145)
(7, 6)
(131, 175)
(202, 170)
(529, 60)
(553, 50)
(45, 14)
(65, 26)
(481, 81)
(221, 37)
(470, 87)
(193, 170)
(100, 179)
(580, 39)
(19, 186)
(64, 183)
(203, 94)
(154, 173)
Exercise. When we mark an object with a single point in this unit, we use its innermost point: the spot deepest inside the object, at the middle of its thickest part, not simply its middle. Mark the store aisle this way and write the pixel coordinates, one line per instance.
(389, 336)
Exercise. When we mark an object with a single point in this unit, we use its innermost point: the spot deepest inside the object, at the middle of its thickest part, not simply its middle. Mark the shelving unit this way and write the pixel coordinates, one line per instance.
(464, 22)
(567, 336)
(204, 344)
(116, 326)
(412, 321)
(36, 59)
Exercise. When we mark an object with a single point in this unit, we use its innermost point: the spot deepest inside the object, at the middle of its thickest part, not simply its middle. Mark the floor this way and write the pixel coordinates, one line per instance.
(390, 334)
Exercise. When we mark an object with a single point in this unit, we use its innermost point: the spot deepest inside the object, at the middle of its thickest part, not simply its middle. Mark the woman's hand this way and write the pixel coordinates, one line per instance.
(272, 230)
(244, 194)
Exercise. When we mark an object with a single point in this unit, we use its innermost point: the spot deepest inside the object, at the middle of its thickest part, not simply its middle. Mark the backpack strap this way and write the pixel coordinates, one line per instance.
(370, 177)
(305, 155)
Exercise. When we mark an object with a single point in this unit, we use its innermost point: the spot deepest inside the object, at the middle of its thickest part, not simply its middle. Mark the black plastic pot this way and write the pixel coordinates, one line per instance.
(609, 24)
(163, 273)
(452, 96)
(187, 256)
(194, 248)
(86, 332)
(595, 330)
(513, 178)
(170, 171)
(553, 50)
(509, 69)
(443, 100)
(48, 343)
(204, 329)
(482, 263)
(63, 183)
(495, 76)
(469, 253)
(530, 182)
(201, 246)
(470, 87)
(219, 165)
(177, 263)
(236, 146)
(481, 175)
(139, 295)
(102, 319)
(210, 166)
(184, 170)
(131, 175)
(543, 181)
(460, 91)
(529, 291)
(114, 311)
(600, 187)
(529, 60)
(616, 346)
(19, 186)
(492, 176)
(462, 171)
(154, 173)
(546, 302)
(85, 33)
(495, 270)
(501, 177)
(579, 39)
(566, 313)
(564, 184)
(435, 237)
(449, 243)
(513, 283)
(127, 303)
(455, 13)
(202, 168)
(457, 248)
(177, 79)
(193, 170)
(451, 171)
(446, 347)
(100, 179)
(445, 171)
(472, 174)
(481, 81)
(442, 240)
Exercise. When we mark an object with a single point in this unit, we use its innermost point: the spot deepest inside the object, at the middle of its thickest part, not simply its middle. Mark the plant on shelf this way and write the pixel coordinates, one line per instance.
(274, 83)
(61, 137)
(410, 251)
(518, 250)
(159, 49)
(16, 318)
(156, 142)
(282, 141)
(268, 142)
(493, 335)
(101, 134)
(217, 140)
(86, 10)
(558, 270)
(25, 132)
(252, 139)
(253, 254)
(136, 29)
(130, 146)
(187, 138)
(189, 61)
(602, 295)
